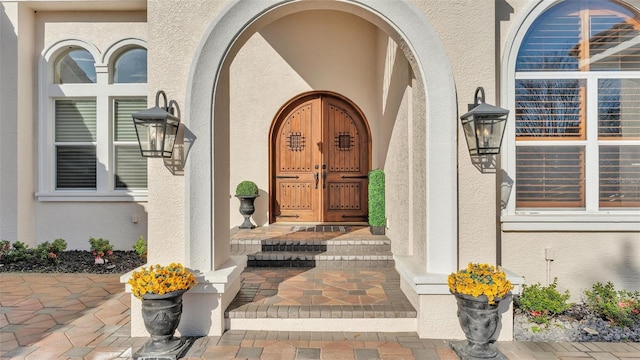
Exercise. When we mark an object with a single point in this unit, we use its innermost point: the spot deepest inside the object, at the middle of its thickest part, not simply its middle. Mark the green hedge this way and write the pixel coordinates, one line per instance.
(376, 198)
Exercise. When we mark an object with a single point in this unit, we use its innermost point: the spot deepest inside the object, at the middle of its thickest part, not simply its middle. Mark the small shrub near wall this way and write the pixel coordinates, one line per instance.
(543, 302)
(621, 307)
(377, 216)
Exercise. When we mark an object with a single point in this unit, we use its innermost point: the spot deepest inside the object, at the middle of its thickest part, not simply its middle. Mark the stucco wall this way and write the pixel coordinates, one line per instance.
(472, 52)
(579, 259)
(16, 145)
(76, 222)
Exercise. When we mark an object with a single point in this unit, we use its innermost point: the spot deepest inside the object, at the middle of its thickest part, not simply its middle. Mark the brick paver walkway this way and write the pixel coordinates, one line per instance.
(83, 316)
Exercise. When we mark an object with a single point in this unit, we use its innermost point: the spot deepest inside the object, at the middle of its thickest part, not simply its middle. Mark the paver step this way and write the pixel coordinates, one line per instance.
(320, 259)
(243, 246)
(255, 311)
(306, 299)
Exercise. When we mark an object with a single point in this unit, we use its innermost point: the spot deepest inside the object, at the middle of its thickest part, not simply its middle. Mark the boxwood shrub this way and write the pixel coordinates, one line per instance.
(376, 198)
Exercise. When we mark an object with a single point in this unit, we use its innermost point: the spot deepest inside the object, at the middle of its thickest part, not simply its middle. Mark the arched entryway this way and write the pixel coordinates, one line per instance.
(320, 155)
(207, 111)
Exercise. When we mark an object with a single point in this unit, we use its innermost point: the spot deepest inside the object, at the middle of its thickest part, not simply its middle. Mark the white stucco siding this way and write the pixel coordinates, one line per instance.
(174, 33)
(473, 56)
(75, 223)
(579, 259)
(394, 150)
(16, 138)
(102, 29)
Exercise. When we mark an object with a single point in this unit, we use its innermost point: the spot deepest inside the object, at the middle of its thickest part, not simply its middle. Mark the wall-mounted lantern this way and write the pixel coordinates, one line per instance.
(157, 127)
(484, 126)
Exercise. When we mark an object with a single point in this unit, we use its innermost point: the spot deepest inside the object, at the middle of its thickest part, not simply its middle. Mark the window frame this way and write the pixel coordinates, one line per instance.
(104, 92)
(592, 217)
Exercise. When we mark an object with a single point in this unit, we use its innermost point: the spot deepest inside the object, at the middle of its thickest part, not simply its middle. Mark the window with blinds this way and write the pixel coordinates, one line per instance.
(619, 109)
(550, 176)
(619, 176)
(89, 148)
(550, 109)
(576, 115)
(582, 35)
(75, 136)
(130, 167)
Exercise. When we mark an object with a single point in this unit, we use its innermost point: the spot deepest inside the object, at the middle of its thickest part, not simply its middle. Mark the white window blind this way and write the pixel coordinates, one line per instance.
(75, 120)
(130, 166)
(75, 134)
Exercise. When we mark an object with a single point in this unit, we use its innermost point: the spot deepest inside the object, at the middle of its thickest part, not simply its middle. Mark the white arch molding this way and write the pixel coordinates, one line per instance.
(236, 23)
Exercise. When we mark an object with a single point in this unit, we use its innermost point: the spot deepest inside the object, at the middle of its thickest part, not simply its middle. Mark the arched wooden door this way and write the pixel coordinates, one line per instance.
(320, 158)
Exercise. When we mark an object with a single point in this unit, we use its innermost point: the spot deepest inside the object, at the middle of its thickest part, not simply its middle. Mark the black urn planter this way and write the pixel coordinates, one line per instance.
(479, 321)
(377, 230)
(161, 315)
(247, 209)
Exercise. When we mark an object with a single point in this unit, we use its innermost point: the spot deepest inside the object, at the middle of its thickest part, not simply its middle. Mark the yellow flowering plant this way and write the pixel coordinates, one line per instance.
(480, 279)
(160, 280)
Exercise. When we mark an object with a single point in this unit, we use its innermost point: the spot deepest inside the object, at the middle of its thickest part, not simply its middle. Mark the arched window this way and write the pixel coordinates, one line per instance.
(577, 109)
(131, 67)
(89, 147)
(76, 66)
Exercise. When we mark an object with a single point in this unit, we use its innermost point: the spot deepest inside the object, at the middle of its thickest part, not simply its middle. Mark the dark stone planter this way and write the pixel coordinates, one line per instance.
(479, 321)
(247, 209)
(161, 315)
(377, 230)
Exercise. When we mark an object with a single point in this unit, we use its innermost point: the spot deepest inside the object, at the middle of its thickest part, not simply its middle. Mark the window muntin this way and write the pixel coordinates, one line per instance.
(577, 106)
(76, 66)
(131, 67)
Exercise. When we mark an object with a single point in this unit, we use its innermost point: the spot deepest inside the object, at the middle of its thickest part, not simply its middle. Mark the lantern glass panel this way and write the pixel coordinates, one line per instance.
(489, 131)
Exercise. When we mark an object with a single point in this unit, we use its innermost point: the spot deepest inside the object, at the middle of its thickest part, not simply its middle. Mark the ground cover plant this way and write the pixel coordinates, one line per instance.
(543, 313)
(543, 302)
(52, 257)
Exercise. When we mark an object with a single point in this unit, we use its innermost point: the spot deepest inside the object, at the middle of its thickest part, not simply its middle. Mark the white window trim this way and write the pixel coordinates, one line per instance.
(104, 92)
(590, 219)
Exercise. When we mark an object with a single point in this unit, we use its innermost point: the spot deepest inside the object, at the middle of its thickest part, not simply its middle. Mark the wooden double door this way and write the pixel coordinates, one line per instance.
(320, 159)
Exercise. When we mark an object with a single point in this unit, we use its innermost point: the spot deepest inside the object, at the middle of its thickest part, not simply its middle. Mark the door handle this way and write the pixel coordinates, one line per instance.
(324, 176)
(316, 177)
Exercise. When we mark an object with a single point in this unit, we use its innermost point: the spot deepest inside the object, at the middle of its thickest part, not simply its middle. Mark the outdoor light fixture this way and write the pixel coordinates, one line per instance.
(157, 127)
(484, 126)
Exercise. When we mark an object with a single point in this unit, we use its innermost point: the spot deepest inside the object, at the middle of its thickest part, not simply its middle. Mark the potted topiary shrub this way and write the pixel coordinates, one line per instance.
(377, 218)
(247, 192)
